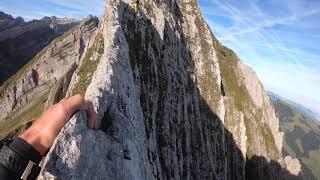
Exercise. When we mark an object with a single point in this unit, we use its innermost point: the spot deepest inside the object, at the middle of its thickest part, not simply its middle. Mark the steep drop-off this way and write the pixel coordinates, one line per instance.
(172, 102)
(302, 136)
(20, 41)
(25, 95)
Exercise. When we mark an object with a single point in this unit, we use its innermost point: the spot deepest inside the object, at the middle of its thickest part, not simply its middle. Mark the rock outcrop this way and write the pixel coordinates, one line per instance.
(7, 21)
(20, 41)
(172, 103)
(23, 97)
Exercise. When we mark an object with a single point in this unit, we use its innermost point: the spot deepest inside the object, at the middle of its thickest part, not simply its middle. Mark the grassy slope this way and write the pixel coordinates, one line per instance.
(18, 119)
(302, 137)
(16, 122)
(89, 65)
(242, 102)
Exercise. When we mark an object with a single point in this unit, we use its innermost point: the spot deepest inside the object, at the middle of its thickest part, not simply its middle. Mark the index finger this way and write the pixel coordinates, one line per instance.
(77, 102)
(72, 104)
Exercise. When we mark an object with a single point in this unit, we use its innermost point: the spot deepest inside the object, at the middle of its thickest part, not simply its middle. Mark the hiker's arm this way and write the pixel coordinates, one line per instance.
(36, 141)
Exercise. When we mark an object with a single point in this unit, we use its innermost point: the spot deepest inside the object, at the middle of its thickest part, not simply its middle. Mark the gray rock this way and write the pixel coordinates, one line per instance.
(172, 102)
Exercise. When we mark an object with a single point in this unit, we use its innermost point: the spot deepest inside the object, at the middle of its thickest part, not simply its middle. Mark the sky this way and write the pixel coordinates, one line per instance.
(279, 39)
(36, 9)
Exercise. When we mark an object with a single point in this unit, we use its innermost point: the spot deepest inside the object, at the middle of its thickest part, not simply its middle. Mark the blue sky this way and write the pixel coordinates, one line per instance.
(279, 39)
(36, 9)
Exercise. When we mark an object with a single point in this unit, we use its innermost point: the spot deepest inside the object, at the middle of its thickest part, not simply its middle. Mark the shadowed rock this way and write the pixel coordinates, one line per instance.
(20, 41)
(169, 105)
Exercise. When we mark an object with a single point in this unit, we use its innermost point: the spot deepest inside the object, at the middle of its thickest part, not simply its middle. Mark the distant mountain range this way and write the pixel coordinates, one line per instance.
(302, 134)
(302, 108)
(20, 41)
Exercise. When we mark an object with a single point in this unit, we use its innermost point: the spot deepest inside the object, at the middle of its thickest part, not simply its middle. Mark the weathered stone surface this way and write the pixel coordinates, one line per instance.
(172, 102)
(261, 101)
(35, 80)
(293, 165)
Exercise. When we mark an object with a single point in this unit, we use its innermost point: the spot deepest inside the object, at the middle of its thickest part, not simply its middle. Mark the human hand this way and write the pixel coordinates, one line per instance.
(45, 129)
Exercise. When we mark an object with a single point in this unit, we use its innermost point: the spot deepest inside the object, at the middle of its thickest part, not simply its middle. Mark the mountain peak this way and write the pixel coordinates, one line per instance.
(170, 100)
(5, 16)
(57, 20)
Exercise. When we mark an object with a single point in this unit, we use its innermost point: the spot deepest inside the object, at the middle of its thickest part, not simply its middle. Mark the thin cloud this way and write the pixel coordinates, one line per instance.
(290, 69)
(93, 6)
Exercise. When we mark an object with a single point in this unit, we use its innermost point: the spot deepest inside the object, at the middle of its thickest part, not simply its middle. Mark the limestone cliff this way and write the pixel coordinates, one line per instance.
(24, 96)
(172, 103)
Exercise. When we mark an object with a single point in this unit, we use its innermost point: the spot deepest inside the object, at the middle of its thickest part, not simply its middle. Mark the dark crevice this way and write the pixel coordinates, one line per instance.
(35, 77)
(106, 121)
(222, 88)
(82, 47)
(107, 126)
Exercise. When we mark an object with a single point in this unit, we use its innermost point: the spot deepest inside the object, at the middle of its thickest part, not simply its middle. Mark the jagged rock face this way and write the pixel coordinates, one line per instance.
(44, 79)
(7, 21)
(20, 41)
(172, 102)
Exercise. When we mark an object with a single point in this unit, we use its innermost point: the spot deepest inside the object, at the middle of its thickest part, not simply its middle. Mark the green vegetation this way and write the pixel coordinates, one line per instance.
(302, 137)
(313, 161)
(228, 61)
(208, 85)
(228, 65)
(250, 143)
(89, 65)
(269, 141)
(27, 67)
(21, 72)
(16, 120)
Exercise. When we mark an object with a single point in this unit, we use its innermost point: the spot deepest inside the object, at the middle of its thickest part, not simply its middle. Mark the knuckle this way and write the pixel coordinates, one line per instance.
(61, 107)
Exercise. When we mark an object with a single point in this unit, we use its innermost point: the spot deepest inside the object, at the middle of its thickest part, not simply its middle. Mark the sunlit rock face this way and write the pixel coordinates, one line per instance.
(25, 95)
(172, 103)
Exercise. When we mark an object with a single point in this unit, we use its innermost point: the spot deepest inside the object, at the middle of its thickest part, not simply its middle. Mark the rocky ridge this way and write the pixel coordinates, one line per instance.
(24, 96)
(20, 41)
(172, 103)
